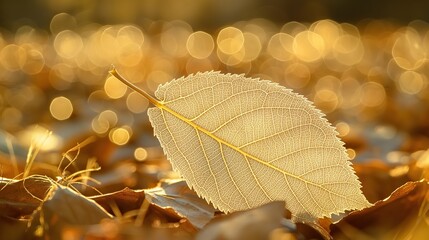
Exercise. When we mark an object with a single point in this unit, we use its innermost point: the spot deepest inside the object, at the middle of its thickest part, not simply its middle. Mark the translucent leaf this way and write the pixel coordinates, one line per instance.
(242, 142)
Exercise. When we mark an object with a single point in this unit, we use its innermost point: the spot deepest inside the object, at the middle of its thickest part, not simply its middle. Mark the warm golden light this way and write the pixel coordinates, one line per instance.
(129, 42)
(408, 51)
(348, 50)
(326, 100)
(328, 30)
(411, 82)
(174, 38)
(100, 125)
(351, 153)
(373, 94)
(230, 40)
(34, 63)
(110, 116)
(104, 121)
(280, 47)
(68, 44)
(119, 136)
(342, 128)
(61, 108)
(140, 154)
(297, 75)
(13, 57)
(252, 47)
(136, 103)
(62, 21)
(200, 45)
(308, 46)
(40, 138)
(114, 88)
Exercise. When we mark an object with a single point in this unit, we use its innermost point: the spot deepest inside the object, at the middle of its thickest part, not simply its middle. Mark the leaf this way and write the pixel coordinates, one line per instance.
(172, 198)
(20, 198)
(253, 224)
(403, 215)
(65, 207)
(377, 180)
(176, 194)
(242, 142)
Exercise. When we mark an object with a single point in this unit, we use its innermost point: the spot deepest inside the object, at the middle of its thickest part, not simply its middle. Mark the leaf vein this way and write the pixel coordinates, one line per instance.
(256, 179)
(230, 175)
(210, 169)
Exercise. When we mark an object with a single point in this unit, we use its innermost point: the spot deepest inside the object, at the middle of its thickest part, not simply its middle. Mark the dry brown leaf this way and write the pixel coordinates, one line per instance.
(126, 200)
(404, 215)
(176, 194)
(377, 180)
(113, 229)
(253, 224)
(169, 202)
(21, 198)
(65, 207)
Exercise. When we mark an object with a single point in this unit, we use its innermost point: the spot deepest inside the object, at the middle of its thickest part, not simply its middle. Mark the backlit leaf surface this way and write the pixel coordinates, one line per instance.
(242, 142)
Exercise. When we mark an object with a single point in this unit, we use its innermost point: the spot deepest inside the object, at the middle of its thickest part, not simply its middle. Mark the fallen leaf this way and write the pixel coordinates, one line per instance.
(65, 207)
(172, 200)
(377, 181)
(19, 198)
(242, 142)
(126, 200)
(253, 224)
(113, 229)
(175, 194)
(403, 215)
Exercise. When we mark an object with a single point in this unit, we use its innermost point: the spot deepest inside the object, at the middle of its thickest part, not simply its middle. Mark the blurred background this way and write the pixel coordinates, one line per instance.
(363, 63)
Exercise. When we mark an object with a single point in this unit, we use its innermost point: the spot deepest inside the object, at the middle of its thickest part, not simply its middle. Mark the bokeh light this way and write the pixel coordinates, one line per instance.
(140, 154)
(61, 108)
(308, 46)
(342, 128)
(13, 57)
(373, 94)
(114, 88)
(174, 38)
(230, 40)
(408, 51)
(120, 136)
(200, 45)
(104, 121)
(411, 82)
(136, 103)
(39, 137)
(68, 44)
(280, 47)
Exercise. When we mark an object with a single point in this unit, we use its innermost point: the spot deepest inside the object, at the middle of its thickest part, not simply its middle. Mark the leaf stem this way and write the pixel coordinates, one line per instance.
(151, 99)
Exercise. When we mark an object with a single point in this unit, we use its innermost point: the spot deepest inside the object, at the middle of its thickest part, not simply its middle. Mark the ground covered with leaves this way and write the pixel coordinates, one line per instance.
(78, 158)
